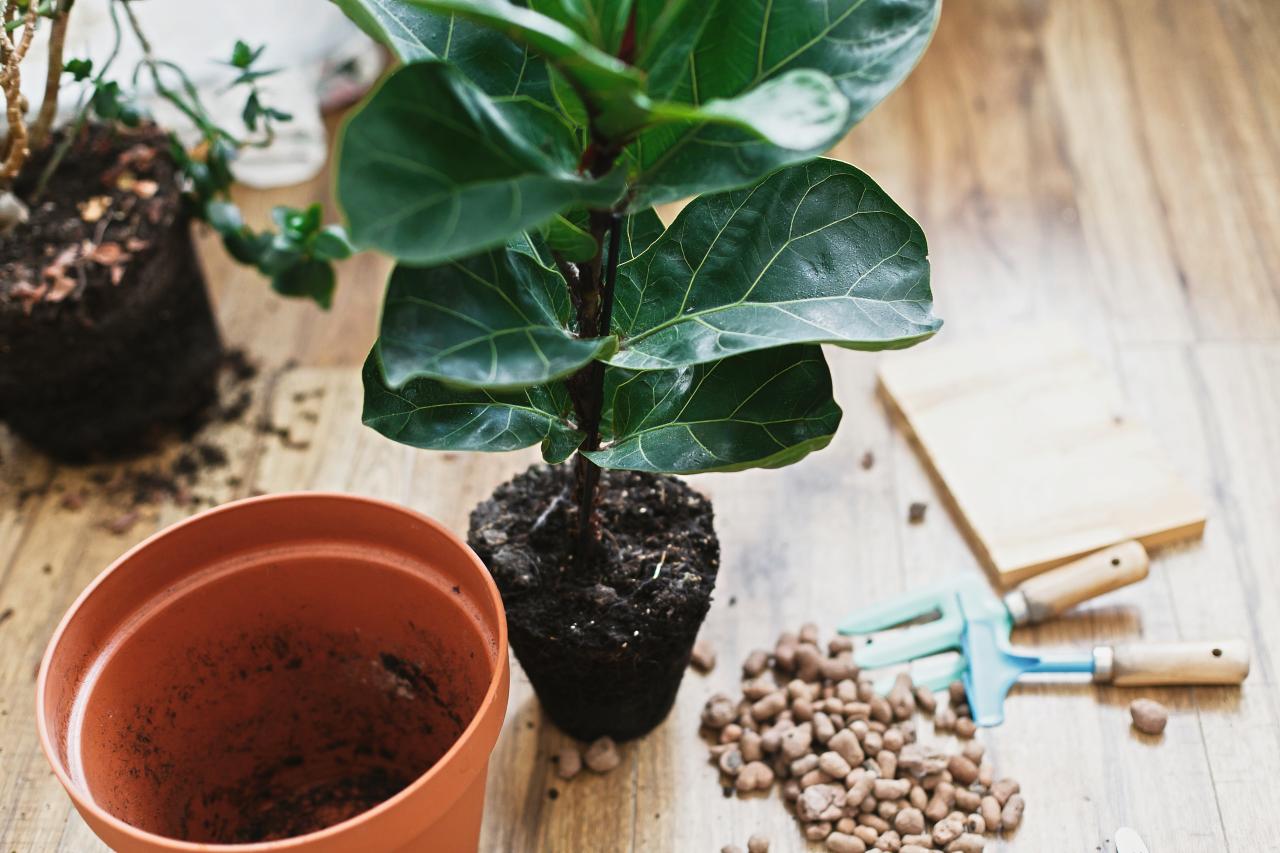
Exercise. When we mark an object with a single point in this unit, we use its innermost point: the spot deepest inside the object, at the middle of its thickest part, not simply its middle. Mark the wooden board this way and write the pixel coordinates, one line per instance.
(1030, 437)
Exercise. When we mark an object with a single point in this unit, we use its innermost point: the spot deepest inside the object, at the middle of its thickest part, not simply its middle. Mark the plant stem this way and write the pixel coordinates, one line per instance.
(11, 54)
(590, 383)
(82, 111)
(53, 77)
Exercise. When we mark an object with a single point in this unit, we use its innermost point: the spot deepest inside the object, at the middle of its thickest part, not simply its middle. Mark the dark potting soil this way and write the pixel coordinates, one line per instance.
(321, 731)
(106, 333)
(605, 645)
(297, 812)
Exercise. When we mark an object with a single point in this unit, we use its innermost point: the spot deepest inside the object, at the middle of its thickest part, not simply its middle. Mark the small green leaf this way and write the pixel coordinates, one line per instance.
(245, 246)
(434, 416)
(497, 320)
(279, 254)
(330, 243)
(223, 216)
(79, 69)
(565, 237)
(430, 168)
(247, 77)
(251, 112)
(242, 56)
(298, 224)
(762, 410)
(815, 253)
(310, 279)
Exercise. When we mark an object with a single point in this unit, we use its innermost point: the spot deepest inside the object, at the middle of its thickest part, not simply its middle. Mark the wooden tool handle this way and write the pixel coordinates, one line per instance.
(1057, 590)
(1196, 662)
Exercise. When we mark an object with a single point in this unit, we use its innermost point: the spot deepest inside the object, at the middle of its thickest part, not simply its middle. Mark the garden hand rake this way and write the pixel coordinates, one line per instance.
(993, 667)
(1031, 602)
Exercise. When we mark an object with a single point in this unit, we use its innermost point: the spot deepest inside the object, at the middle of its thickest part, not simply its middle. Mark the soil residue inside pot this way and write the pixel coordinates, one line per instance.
(605, 645)
(290, 694)
(105, 326)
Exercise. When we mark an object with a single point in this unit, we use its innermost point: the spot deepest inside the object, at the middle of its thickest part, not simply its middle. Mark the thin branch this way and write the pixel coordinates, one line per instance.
(82, 109)
(11, 77)
(53, 78)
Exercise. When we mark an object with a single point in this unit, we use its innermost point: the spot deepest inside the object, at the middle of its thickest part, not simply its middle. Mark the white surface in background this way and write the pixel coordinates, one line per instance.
(306, 39)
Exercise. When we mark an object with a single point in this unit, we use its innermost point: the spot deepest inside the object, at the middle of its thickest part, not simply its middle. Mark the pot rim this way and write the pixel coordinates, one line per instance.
(85, 803)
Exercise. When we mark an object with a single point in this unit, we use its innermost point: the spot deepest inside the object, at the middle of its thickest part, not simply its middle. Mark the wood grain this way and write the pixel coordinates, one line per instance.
(1031, 443)
(1108, 164)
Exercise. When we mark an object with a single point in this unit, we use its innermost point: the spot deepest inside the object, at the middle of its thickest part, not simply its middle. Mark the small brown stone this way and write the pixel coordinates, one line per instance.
(568, 762)
(756, 663)
(1149, 716)
(602, 756)
(703, 656)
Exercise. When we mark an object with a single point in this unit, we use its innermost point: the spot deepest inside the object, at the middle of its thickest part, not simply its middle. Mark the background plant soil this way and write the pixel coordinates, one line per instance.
(604, 645)
(106, 332)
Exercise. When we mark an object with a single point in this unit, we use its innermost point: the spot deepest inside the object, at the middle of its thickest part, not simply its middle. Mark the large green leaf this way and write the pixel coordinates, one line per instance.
(765, 409)
(816, 253)
(800, 110)
(803, 110)
(666, 32)
(611, 88)
(496, 320)
(639, 231)
(601, 22)
(488, 58)
(434, 416)
(431, 168)
(568, 235)
(866, 46)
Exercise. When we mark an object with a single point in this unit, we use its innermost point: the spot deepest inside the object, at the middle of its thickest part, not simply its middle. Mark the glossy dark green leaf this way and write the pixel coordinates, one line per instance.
(666, 32)
(486, 57)
(613, 89)
(601, 22)
(639, 231)
(434, 416)
(866, 46)
(799, 110)
(816, 253)
(764, 409)
(430, 168)
(497, 320)
(569, 239)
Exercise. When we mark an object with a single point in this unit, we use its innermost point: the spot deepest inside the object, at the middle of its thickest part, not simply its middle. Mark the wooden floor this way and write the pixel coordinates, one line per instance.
(1111, 163)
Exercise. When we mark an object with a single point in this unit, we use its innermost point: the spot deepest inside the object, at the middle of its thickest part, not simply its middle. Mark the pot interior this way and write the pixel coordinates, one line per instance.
(275, 694)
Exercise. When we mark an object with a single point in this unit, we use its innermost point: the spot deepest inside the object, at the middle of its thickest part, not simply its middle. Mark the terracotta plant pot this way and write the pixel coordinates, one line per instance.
(302, 672)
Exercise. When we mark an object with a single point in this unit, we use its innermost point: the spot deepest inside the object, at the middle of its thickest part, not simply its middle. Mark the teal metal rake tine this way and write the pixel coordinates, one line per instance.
(889, 614)
(910, 643)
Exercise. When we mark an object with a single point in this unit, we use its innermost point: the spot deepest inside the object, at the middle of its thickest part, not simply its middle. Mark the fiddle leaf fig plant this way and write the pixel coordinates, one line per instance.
(511, 165)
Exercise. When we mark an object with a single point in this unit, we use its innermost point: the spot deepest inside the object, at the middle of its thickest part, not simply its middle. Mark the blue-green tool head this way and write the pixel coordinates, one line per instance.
(991, 668)
(918, 638)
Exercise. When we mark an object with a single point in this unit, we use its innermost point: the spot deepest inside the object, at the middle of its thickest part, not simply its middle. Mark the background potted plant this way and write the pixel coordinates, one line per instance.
(511, 166)
(105, 326)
